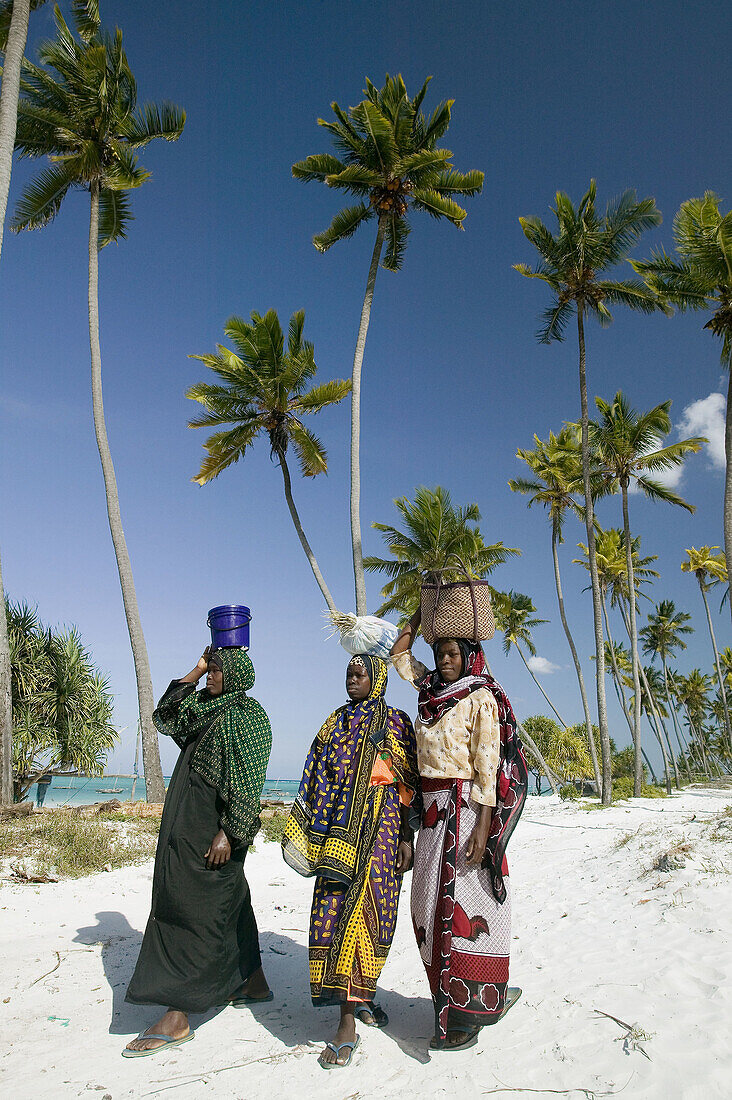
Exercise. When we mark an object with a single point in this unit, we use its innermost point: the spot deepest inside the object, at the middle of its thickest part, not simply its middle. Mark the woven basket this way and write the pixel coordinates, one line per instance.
(457, 609)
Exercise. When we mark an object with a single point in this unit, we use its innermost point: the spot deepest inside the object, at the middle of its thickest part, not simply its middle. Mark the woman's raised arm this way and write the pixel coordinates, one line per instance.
(406, 639)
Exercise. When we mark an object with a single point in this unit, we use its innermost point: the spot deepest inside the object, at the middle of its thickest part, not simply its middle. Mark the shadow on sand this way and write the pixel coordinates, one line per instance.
(290, 1018)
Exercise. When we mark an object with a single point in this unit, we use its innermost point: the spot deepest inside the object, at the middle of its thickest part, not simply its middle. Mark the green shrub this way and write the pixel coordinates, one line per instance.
(569, 793)
(273, 828)
(623, 788)
(69, 846)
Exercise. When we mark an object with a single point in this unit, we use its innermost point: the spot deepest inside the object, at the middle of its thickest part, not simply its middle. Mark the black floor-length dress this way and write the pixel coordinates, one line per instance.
(201, 942)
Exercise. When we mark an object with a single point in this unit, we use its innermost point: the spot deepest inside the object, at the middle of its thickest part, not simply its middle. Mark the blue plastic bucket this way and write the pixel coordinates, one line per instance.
(229, 625)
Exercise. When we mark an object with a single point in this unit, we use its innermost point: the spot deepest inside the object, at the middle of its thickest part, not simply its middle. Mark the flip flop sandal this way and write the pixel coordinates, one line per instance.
(512, 995)
(470, 1040)
(378, 1017)
(336, 1050)
(168, 1041)
(244, 1002)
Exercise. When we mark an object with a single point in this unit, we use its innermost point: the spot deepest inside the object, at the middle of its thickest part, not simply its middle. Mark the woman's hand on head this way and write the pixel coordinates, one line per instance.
(202, 665)
(219, 851)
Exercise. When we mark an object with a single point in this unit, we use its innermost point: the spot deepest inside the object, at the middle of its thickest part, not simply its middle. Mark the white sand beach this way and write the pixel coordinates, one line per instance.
(596, 929)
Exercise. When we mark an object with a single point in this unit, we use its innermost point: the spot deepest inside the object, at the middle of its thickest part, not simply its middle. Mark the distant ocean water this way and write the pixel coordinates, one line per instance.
(80, 791)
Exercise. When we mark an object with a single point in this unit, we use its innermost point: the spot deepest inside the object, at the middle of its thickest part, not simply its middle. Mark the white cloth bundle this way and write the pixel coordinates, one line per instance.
(365, 634)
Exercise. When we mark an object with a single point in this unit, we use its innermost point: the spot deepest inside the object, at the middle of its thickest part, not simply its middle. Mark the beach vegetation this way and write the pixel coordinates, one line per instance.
(62, 707)
(78, 110)
(273, 826)
(263, 389)
(388, 158)
(569, 793)
(61, 844)
(575, 264)
(624, 788)
(563, 747)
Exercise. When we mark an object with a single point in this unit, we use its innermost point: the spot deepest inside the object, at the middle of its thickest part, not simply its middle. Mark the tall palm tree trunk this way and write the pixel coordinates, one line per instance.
(14, 49)
(619, 691)
(301, 534)
(150, 753)
(606, 793)
(363, 328)
(722, 692)
(575, 657)
(657, 720)
(637, 759)
(674, 715)
(617, 679)
(727, 519)
(541, 689)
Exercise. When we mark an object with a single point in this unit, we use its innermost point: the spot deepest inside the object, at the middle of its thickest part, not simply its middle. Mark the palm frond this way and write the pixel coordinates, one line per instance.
(555, 320)
(439, 206)
(40, 202)
(328, 393)
(310, 451)
(115, 216)
(462, 183)
(344, 225)
(317, 167)
(154, 121)
(397, 232)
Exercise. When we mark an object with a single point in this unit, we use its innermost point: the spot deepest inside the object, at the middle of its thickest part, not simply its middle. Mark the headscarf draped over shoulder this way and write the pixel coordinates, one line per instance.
(235, 741)
(435, 698)
(323, 832)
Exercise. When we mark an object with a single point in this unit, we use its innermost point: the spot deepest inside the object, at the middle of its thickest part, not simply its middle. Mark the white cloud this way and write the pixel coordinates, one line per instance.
(706, 417)
(542, 666)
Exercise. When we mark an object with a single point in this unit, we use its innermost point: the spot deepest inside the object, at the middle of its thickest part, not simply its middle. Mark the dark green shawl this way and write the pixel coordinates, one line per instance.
(235, 742)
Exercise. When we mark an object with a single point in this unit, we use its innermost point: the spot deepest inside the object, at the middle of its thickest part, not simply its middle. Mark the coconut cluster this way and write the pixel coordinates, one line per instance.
(391, 198)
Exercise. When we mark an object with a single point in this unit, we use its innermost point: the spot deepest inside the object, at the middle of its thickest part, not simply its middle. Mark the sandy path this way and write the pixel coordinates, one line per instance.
(592, 930)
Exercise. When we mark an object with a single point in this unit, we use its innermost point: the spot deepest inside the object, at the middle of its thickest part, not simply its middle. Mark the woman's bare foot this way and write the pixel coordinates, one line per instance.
(255, 987)
(173, 1023)
(346, 1033)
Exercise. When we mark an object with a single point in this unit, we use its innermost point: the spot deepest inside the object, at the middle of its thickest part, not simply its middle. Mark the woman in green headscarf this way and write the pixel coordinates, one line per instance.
(201, 946)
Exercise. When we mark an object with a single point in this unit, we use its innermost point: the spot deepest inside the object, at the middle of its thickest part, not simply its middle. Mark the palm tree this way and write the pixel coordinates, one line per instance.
(14, 15)
(80, 111)
(388, 157)
(709, 569)
(62, 708)
(515, 618)
(626, 446)
(662, 636)
(556, 467)
(434, 533)
(701, 278)
(573, 264)
(693, 692)
(264, 390)
(612, 566)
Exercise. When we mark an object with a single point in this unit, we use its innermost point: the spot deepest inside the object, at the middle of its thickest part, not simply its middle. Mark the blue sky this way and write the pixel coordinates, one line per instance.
(547, 95)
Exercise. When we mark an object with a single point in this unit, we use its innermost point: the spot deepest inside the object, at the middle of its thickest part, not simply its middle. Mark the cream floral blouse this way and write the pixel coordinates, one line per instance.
(464, 744)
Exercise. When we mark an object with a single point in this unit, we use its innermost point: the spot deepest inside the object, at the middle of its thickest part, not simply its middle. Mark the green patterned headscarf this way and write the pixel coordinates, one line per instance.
(233, 752)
